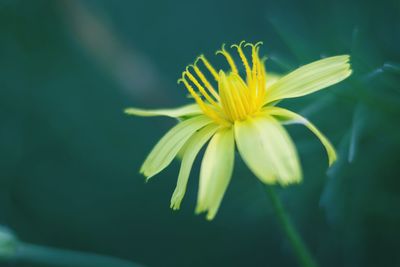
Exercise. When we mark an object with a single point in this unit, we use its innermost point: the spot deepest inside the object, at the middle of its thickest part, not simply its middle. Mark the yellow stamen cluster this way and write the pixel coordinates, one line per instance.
(236, 99)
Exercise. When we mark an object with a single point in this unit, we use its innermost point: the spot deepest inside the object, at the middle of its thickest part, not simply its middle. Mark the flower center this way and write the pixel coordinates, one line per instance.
(236, 99)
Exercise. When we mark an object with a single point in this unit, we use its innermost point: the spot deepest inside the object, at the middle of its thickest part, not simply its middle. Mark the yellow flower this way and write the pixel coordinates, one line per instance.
(238, 109)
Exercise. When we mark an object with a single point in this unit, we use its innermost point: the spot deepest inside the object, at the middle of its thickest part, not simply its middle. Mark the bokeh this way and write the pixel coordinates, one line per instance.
(69, 156)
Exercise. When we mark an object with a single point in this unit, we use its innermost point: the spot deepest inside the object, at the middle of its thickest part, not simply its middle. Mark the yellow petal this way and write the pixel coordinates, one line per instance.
(192, 148)
(267, 150)
(216, 172)
(310, 78)
(291, 117)
(167, 148)
(272, 78)
(188, 110)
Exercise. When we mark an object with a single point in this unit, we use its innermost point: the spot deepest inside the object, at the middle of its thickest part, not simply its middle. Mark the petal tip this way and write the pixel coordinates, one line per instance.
(176, 201)
(199, 209)
(210, 216)
(332, 160)
(128, 111)
(175, 206)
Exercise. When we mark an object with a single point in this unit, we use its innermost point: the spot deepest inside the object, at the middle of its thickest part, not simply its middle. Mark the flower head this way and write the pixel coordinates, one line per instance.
(238, 109)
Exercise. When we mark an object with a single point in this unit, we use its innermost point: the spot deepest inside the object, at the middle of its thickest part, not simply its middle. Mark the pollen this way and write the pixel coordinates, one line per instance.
(238, 96)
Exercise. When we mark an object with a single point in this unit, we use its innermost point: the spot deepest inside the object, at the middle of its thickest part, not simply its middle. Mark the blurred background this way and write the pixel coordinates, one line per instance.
(69, 157)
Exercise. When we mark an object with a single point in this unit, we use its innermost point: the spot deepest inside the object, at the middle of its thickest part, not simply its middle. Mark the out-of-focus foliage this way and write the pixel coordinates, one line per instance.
(69, 157)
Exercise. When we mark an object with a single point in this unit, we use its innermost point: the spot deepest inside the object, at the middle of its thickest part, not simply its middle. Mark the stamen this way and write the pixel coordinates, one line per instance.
(260, 77)
(253, 83)
(242, 91)
(226, 97)
(226, 108)
(205, 82)
(262, 82)
(193, 93)
(201, 88)
(228, 58)
(258, 44)
(244, 60)
(259, 73)
(236, 97)
(208, 66)
(254, 59)
(207, 110)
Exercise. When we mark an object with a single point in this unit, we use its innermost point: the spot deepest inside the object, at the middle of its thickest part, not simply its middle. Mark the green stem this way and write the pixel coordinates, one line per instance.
(303, 255)
(48, 256)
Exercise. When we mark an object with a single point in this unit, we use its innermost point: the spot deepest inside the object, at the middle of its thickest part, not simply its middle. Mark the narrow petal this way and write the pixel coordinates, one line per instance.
(288, 116)
(192, 148)
(188, 110)
(310, 78)
(167, 148)
(268, 150)
(216, 172)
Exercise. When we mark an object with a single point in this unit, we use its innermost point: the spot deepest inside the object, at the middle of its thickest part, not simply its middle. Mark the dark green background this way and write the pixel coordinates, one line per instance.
(69, 157)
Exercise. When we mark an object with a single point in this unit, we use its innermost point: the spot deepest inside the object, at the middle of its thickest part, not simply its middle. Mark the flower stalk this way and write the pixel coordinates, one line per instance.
(300, 249)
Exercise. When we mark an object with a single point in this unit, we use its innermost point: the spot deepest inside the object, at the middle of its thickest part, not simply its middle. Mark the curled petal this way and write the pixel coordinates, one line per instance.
(289, 117)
